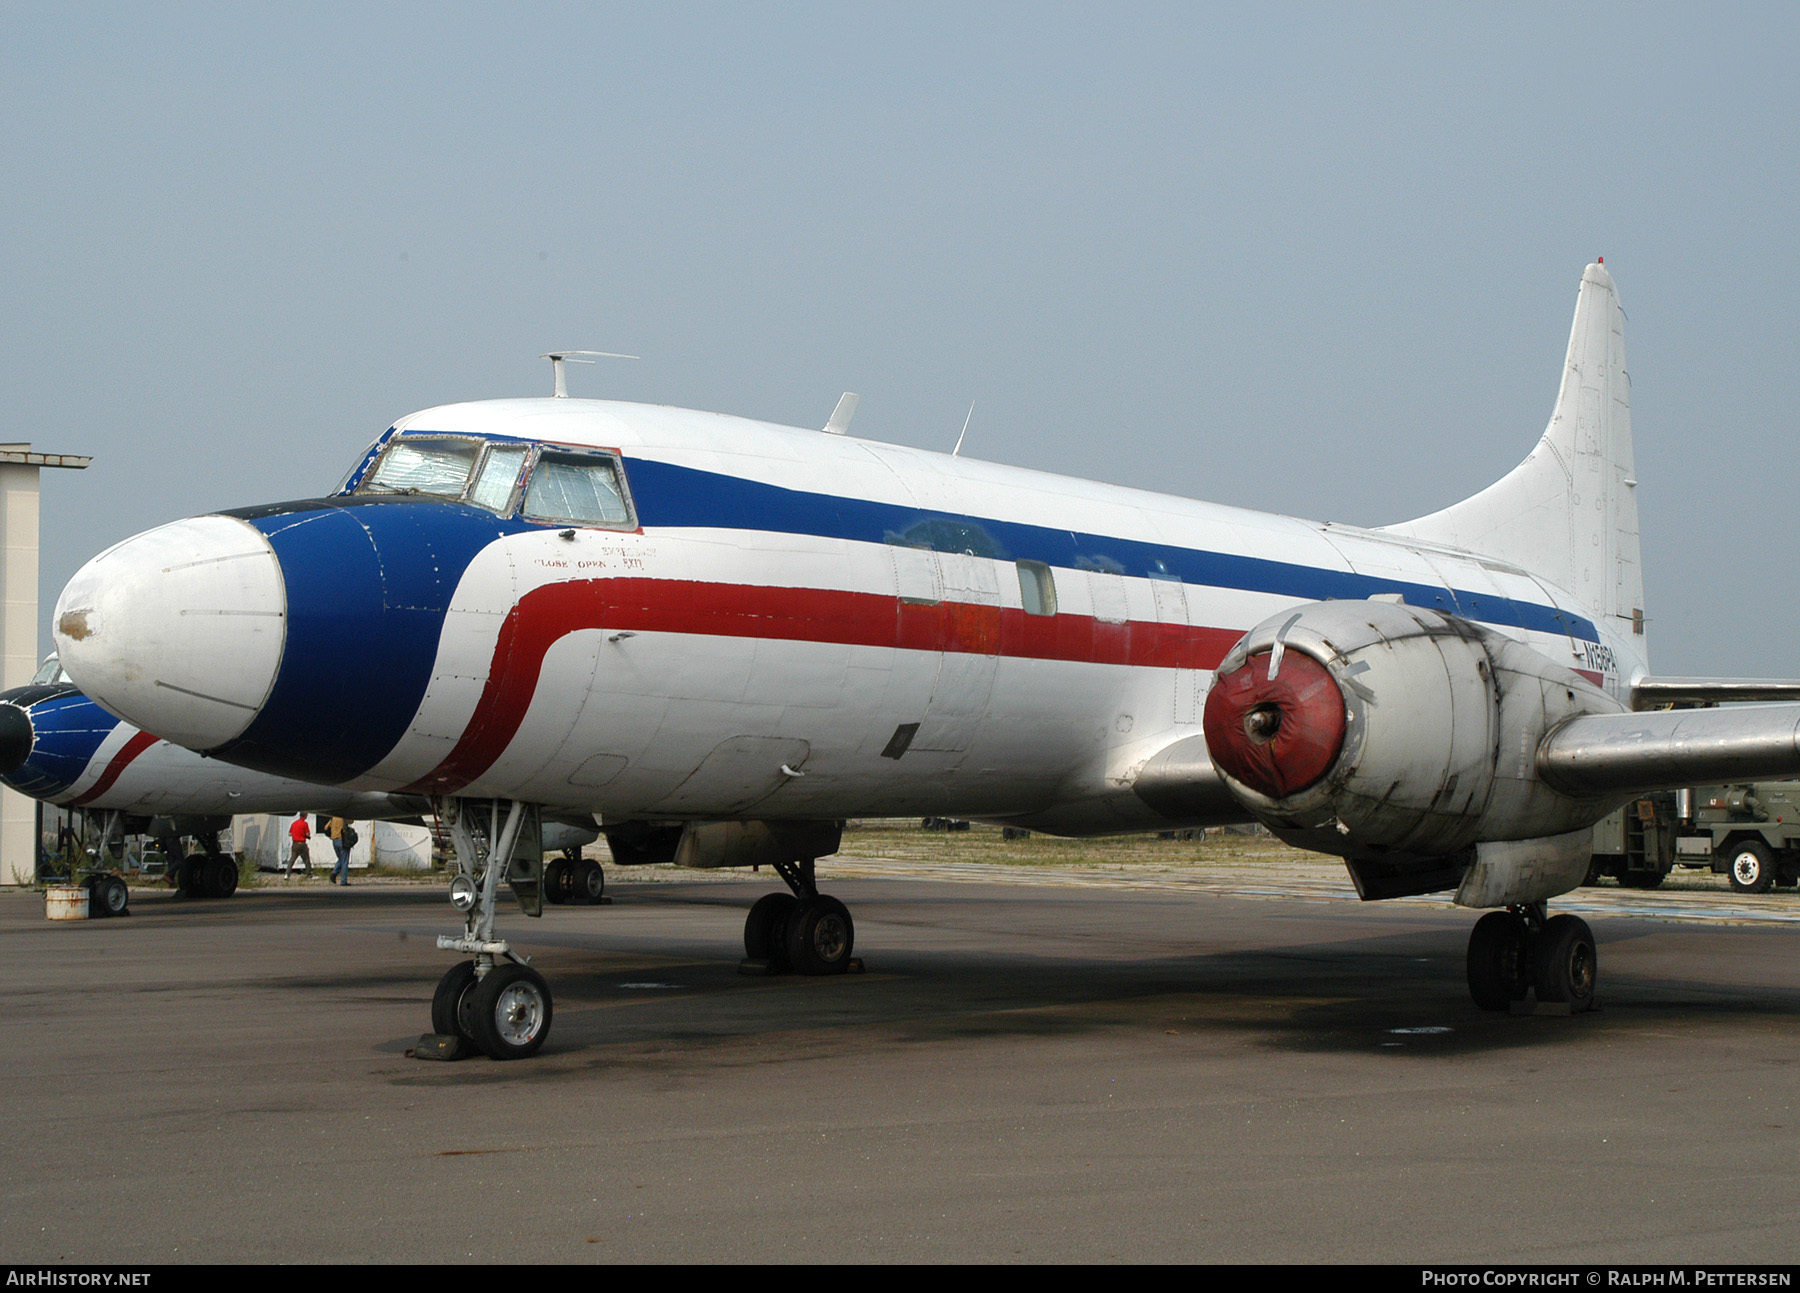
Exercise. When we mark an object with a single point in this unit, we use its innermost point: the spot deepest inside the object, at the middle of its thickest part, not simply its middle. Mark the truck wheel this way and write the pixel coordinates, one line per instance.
(1750, 867)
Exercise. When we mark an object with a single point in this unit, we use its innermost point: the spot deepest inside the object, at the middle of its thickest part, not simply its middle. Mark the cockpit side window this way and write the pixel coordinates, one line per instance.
(422, 466)
(580, 487)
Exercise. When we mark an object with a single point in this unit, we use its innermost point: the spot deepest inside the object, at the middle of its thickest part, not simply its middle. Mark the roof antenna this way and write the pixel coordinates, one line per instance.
(560, 382)
(965, 430)
(841, 415)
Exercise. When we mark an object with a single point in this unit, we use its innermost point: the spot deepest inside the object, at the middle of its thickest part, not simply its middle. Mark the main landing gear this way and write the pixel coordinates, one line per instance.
(209, 873)
(802, 932)
(496, 1003)
(574, 879)
(1521, 950)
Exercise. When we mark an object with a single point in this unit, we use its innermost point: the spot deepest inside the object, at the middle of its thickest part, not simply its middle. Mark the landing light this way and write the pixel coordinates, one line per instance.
(462, 893)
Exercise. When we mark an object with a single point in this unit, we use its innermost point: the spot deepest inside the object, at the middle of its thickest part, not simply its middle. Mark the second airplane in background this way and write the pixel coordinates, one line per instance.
(57, 746)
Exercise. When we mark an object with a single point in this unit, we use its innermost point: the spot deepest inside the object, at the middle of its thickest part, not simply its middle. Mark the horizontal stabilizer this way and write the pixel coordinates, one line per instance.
(1651, 693)
(1598, 755)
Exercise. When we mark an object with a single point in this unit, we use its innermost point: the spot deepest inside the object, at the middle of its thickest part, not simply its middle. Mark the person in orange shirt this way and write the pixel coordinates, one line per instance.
(340, 844)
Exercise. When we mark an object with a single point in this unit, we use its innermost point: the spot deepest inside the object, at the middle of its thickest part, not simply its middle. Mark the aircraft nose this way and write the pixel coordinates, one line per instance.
(179, 629)
(15, 739)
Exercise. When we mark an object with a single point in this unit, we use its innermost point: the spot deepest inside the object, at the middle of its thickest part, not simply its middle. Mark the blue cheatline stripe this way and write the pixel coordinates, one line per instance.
(672, 496)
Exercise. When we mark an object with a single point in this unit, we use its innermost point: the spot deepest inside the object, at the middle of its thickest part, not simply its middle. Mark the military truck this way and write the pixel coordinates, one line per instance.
(1749, 833)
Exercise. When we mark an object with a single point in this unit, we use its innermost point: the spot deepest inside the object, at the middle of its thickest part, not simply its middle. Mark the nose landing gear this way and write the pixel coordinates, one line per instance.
(495, 1004)
(1520, 950)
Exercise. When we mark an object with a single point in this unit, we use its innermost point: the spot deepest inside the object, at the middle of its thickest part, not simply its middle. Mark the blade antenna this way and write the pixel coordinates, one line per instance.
(965, 431)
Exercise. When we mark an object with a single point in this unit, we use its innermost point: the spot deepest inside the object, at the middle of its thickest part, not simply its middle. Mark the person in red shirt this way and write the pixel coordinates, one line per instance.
(299, 832)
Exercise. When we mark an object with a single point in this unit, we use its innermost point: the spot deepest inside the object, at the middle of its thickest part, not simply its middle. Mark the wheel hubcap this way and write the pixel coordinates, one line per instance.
(829, 938)
(1581, 971)
(519, 1014)
(1745, 868)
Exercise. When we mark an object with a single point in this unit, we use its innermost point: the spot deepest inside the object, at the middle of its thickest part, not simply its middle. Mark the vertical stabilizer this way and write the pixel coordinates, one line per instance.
(1568, 513)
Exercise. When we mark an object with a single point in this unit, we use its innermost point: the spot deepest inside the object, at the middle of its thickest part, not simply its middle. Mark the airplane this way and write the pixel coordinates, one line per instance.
(723, 637)
(59, 747)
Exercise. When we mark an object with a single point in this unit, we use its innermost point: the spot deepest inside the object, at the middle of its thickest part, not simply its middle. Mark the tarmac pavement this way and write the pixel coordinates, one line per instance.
(1053, 1070)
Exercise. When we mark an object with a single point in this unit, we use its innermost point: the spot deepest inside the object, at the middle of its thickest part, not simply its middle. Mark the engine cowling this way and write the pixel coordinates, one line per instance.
(1396, 735)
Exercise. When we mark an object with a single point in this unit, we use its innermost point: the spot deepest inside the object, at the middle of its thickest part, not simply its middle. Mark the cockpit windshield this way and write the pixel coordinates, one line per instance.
(422, 466)
(560, 485)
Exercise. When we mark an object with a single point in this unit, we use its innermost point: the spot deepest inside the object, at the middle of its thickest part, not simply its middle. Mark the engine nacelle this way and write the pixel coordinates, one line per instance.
(1395, 736)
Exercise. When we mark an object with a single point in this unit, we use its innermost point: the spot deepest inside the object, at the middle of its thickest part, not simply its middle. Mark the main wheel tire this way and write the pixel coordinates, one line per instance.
(820, 936)
(556, 882)
(590, 880)
(222, 876)
(1497, 960)
(765, 928)
(192, 879)
(1565, 966)
(1751, 867)
(449, 1009)
(1642, 879)
(509, 1012)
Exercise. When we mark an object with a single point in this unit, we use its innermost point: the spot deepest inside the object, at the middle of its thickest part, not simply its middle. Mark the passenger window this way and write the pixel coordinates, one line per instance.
(583, 488)
(494, 486)
(1037, 587)
(423, 466)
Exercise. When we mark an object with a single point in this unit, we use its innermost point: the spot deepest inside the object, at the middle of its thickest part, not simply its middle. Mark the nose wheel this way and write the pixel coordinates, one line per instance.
(1518, 951)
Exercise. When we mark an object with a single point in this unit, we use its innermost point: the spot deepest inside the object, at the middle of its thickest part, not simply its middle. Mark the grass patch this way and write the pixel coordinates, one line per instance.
(905, 841)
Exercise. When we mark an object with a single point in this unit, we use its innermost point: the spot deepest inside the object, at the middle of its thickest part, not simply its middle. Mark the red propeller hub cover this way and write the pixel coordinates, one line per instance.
(1278, 734)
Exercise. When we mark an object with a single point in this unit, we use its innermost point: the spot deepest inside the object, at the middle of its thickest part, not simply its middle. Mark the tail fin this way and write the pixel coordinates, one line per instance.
(1568, 513)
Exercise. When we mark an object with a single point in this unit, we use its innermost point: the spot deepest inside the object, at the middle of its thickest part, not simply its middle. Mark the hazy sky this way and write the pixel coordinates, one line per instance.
(1319, 260)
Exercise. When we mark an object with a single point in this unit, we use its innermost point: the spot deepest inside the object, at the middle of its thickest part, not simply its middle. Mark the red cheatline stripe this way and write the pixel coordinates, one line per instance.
(547, 614)
(120, 761)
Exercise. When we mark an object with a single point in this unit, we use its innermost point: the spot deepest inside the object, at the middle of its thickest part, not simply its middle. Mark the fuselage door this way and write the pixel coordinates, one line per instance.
(968, 637)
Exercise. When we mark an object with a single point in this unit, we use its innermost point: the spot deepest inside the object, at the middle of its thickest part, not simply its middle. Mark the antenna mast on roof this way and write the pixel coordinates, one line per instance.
(560, 382)
(956, 452)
